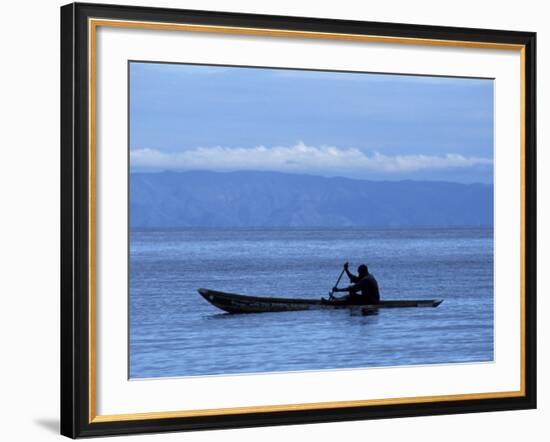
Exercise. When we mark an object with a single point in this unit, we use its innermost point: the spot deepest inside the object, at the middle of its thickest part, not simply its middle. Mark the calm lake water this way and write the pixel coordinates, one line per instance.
(175, 332)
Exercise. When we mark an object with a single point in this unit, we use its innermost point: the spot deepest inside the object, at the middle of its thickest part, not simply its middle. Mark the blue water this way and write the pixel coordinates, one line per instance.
(175, 332)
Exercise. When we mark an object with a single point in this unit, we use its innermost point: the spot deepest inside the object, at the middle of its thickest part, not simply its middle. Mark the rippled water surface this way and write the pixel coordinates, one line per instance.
(175, 332)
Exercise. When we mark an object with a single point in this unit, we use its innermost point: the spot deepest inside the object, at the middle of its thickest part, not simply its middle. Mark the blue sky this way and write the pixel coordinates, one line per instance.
(359, 125)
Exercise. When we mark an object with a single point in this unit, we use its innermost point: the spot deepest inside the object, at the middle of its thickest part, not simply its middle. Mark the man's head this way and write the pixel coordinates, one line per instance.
(363, 270)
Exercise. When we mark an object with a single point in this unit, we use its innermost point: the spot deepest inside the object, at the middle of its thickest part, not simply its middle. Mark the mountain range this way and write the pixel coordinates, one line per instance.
(255, 199)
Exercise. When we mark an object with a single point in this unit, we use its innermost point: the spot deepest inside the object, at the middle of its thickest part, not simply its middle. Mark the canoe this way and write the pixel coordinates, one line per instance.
(235, 303)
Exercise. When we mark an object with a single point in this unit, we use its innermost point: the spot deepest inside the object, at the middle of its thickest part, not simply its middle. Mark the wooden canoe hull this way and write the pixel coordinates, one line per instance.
(235, 303)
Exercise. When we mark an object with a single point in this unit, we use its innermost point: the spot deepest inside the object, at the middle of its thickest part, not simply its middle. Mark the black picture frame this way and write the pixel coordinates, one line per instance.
(75, 220)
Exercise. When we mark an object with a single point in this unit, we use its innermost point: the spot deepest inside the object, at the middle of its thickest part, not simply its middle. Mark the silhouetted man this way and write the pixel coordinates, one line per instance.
(364, 287)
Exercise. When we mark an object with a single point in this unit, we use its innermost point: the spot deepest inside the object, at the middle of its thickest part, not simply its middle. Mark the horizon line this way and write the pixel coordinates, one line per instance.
(445, 227)
(252, 171)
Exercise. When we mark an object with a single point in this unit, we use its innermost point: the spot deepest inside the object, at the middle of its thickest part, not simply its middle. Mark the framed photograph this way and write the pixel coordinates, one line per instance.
(273, 220)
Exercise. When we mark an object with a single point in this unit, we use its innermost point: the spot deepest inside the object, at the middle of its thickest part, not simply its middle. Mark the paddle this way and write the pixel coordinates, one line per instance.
(331, 293)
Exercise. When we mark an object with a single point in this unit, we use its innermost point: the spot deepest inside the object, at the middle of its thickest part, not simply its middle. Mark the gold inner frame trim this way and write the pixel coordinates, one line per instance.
(305, 406)
(522, 166)
(93, 24)
(299, 34)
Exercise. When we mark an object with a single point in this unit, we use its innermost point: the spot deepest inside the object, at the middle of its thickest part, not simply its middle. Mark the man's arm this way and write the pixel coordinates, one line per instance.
(351, 276)
(341, 289)
(352, 289)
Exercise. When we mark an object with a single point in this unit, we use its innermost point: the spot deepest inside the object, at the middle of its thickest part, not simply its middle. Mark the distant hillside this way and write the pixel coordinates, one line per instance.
(246, 199)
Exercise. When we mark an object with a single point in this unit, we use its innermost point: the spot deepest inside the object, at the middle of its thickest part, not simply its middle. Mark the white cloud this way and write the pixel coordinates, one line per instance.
(299, 158)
